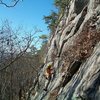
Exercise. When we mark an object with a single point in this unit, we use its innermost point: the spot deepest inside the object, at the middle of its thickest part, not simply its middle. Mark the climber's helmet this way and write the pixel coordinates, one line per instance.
(49, 65)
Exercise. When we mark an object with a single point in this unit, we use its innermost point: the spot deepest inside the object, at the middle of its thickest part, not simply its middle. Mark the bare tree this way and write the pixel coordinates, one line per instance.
(12, 45)
(13, 48)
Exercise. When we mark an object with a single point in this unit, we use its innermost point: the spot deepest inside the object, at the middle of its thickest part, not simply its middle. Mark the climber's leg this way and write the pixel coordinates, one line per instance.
(47, 83)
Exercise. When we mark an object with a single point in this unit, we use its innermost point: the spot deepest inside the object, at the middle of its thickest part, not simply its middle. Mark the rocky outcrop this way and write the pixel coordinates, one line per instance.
(74, 50)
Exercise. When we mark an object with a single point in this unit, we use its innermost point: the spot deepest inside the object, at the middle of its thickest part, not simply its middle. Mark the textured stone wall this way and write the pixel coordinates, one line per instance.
(74, 50)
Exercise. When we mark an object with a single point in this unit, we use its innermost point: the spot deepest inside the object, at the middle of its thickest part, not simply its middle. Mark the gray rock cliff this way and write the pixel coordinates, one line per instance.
(74, 50)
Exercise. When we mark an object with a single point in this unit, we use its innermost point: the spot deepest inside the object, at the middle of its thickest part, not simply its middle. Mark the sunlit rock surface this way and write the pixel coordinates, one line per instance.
(74, 50)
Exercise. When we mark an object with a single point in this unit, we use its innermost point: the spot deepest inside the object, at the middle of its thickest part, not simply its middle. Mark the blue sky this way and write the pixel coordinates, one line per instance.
(28, 14)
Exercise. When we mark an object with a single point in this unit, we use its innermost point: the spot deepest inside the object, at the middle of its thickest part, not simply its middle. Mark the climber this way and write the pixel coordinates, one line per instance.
(48, 75)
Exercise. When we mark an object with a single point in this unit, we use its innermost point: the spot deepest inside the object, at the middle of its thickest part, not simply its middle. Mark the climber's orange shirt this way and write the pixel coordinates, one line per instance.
(48, 72)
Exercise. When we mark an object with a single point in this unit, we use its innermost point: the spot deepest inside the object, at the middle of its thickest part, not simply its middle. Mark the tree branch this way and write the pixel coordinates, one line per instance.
(18, 56)
(9, 6)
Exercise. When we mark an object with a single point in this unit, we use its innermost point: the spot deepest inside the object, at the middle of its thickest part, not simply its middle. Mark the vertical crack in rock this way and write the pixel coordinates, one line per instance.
(79, 5)
(71, 71)
(81, 19)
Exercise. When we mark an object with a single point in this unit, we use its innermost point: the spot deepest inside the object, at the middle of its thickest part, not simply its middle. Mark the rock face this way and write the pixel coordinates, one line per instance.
(74, 50)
